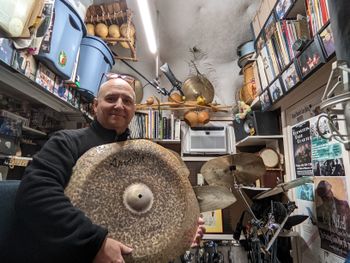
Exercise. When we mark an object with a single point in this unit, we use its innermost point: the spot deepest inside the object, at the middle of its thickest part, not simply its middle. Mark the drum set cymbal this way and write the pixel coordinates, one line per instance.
(241, 168)
(212, 197)
(284, 187)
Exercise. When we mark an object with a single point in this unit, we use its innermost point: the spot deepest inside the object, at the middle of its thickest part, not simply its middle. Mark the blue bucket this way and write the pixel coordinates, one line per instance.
(95, 60)
(60, 53)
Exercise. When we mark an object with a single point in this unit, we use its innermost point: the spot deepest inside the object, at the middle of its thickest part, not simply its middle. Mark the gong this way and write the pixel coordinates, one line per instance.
(197, 86)
(140, 192)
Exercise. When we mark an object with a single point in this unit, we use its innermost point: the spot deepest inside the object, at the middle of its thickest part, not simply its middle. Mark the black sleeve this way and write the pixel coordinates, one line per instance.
(44, 209)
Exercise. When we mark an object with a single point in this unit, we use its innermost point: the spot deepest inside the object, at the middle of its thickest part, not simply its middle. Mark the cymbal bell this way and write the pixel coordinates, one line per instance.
(245, 167)
(212, 197)
(284, 187)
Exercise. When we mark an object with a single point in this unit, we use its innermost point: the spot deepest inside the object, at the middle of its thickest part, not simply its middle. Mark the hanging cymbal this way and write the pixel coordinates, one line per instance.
(196, 86)
(246, 167)
(212, 197)
(140, 192)
(284, 187)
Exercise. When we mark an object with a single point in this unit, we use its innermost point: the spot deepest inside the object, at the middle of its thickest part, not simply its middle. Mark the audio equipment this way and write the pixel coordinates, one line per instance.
(257, 123)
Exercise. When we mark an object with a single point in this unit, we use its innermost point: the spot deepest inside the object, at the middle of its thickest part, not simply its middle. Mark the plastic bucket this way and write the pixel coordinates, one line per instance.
(95, 59)
(68, 30)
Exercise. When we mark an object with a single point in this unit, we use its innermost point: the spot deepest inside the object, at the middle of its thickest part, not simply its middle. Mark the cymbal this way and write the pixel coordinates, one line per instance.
(140, 192)
(253, 191)
(196, 86)
(212, 197)
(284, 187)
(246, 167)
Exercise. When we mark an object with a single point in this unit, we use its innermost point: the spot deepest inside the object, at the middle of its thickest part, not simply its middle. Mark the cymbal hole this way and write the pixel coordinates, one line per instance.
(140, 196)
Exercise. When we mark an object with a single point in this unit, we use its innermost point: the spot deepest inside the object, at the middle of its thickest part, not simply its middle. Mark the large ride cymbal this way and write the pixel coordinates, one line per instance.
(246, 167)
(139, 191)
(284, 187)
(212, 197)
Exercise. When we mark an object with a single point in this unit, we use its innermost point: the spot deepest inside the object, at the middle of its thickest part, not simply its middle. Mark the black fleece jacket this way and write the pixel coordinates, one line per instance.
(48, 229)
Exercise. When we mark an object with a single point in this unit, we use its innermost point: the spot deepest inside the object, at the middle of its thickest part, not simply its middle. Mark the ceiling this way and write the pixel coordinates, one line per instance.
(216, 28)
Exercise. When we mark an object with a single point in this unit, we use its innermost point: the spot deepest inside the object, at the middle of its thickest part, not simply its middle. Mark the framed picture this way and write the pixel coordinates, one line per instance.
(282, 8)
(6, 50)
(311, 58)
(270, 26)
(290, 77)
(213, 221)
(265, 101)
(276, 90)
(327, 40)
(25, 63)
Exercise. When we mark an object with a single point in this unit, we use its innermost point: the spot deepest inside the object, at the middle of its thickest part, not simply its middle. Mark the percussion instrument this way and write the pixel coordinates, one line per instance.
(245, 168)
(212, 197)
(284, 187)
(196, 86)
(270, 157)
(140, 191)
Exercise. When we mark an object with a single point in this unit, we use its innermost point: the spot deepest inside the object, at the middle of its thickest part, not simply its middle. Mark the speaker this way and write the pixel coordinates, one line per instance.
(257, 123)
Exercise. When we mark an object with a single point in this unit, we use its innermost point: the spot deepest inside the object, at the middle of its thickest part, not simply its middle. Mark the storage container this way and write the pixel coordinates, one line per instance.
(14, 15)
(95, 59)
(61, 44)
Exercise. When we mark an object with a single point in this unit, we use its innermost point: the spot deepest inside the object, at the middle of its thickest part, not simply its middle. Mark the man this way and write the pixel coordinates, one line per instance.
(48, 229)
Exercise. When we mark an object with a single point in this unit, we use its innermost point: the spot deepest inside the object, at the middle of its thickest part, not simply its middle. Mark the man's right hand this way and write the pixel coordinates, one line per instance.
(112, 251)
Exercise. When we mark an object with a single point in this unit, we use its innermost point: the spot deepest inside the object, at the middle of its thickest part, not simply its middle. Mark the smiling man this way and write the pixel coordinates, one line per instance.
(47, 227)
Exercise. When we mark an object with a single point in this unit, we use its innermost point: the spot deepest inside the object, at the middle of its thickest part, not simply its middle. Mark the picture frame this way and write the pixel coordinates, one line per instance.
(327, 41)
(265, 101)
(283, 7)
(6, 50)
(270, 26)
(310, 59)
(290, 77)
(25, 63)
(213, 221)
(276, 90)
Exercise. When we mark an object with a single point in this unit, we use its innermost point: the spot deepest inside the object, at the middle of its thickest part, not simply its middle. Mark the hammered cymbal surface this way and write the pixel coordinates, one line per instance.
(245, 167)
(106, 178)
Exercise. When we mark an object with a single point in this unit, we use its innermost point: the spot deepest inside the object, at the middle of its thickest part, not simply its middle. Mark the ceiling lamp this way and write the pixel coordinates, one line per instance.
(147, 25)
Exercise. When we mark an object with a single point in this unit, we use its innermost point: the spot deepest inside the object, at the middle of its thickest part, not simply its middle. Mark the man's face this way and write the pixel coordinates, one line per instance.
(115, 105)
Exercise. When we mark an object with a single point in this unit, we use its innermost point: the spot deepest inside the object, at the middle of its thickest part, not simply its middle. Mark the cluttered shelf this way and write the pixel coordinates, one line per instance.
(14, 83)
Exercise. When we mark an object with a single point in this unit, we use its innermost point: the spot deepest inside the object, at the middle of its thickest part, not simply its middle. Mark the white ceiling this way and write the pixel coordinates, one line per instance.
(216, 27)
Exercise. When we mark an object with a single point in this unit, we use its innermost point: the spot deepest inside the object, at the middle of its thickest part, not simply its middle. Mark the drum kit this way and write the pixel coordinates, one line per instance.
(141, 193)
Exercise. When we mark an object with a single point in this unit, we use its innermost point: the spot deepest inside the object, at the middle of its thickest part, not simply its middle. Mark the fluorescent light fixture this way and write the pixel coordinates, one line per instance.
(147, 25)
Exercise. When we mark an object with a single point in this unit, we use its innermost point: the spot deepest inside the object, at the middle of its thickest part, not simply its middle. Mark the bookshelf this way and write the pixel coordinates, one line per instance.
(290, 48)
(157, 125)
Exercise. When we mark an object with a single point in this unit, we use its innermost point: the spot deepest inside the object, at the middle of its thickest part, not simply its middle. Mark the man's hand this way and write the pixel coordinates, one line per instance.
(199, 234)
(112, 251)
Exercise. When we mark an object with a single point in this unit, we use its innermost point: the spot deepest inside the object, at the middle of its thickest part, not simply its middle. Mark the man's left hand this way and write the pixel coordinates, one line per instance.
(199, 234)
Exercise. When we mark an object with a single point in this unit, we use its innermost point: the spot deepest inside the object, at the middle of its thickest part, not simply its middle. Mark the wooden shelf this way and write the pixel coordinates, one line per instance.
(257, 140)
(167, 141)
(218, 237)
(31, 131)
(297, 8)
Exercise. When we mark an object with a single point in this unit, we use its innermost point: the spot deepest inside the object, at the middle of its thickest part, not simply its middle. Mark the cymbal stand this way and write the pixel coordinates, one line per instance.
(290, 208)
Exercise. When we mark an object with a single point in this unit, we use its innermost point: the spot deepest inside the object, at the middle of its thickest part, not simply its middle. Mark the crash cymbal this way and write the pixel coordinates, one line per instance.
(140, 192)
(212, 197)
(247, 168)
(284, 187)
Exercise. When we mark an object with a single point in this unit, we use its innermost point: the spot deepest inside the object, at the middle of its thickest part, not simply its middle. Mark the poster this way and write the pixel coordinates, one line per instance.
(326, 154)
(302, 149)
(333, 214)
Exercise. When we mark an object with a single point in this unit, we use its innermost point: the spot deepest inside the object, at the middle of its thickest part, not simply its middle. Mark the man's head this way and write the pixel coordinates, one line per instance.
(324, 190)
(115, 104)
